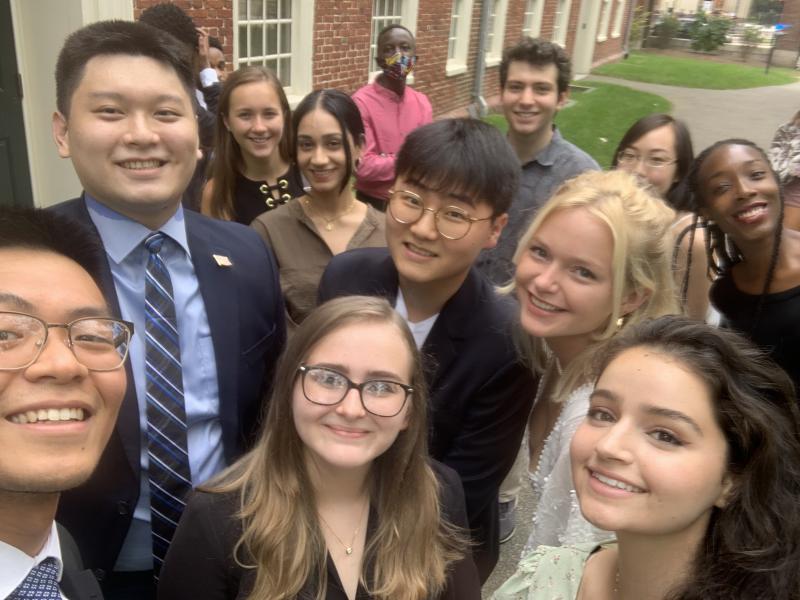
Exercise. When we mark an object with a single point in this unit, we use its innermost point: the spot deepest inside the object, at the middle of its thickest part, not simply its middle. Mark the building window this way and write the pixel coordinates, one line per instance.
(496, 32)
(532, 19)
(458, 41)
(605, 17)
(387, 12)
(620, 14)
(276, 34)
(561, 22)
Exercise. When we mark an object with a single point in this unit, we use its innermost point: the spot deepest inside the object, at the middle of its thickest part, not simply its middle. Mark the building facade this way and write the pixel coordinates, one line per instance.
(322, 43)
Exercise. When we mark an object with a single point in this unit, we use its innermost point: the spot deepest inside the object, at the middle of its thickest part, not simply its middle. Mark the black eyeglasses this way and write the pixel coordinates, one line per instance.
(327, 387)
(452, 222)
(98, 343)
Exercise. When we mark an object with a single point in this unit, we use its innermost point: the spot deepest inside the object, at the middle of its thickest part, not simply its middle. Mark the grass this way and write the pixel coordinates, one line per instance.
(596, 121)
(694, 72)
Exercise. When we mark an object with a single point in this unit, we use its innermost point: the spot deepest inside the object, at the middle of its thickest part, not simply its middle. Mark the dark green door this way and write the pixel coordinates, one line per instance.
(15, 178)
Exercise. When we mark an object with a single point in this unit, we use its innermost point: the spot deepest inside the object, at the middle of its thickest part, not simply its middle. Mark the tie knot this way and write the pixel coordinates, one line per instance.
(154, 241)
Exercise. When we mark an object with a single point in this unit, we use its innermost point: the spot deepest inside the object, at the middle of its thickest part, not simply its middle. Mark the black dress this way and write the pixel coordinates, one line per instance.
(251, 198)
(200, 562)
(778, 330)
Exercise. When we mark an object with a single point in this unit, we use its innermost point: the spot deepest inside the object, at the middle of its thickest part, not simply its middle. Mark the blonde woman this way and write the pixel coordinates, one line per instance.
(595, 260)
(338, 499)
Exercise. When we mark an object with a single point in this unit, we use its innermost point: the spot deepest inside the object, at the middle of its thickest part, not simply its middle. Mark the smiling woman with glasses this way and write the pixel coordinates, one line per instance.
(338, 499)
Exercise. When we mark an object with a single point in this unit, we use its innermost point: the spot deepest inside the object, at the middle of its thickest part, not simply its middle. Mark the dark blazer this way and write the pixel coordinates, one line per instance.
(246, 317)
(200, 561)
(480, 393)
(76, 583)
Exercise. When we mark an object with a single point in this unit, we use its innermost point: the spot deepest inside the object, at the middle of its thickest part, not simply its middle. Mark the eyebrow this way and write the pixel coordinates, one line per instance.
(572, 258)
(23, 305)
(120, 97)
(749, 163)
(459, 197)
(650, 409)
(371, 374)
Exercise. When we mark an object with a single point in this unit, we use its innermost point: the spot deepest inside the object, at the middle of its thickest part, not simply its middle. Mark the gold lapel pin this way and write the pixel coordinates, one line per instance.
(222, 261)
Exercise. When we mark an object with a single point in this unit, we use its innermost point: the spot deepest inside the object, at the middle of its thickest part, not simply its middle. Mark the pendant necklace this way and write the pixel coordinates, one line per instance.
(329, 222)
(348, 550)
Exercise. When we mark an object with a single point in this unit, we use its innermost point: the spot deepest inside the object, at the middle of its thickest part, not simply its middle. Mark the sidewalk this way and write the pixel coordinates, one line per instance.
(713, 115)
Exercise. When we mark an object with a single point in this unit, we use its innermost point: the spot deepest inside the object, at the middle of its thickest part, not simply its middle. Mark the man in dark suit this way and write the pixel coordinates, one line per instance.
(455, 179)
(62, 380)
(206, 293)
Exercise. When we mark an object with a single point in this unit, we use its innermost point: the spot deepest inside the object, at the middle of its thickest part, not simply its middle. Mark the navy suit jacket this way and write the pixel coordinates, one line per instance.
(480, 393)
(76, 583)
(246, 317)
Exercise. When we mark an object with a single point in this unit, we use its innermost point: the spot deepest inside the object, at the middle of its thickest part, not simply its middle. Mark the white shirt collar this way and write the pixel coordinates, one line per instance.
(16, 564)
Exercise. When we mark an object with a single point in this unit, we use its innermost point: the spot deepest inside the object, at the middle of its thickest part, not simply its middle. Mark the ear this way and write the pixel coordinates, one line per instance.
(563, 98)
(497, 225)
(61, 134)
(634, 300)
(725, 492)
(225, 121)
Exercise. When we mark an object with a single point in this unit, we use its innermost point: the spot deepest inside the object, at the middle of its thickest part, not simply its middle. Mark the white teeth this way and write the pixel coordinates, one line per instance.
(49, 414)
(419, 250)
(751, 212)
(617, 484)
(544, 305)
(141, 164)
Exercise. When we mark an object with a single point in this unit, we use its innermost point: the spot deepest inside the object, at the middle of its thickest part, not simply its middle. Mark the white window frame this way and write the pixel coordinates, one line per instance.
(300, 51)
(532, 18)
(561, 22)
(458, 64)
(618, 17)
(406, 16)
(494, 47)
(605, 19)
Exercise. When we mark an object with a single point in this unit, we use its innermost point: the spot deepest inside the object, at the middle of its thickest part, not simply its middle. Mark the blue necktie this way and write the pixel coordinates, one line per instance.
(169, 472)
(40, 584)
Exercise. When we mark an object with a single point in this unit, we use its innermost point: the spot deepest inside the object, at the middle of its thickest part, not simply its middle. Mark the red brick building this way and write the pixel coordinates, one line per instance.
(787, 50)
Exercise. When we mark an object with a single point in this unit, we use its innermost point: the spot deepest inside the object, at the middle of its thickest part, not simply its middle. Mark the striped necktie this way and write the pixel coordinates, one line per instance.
(41, 583)
(169, 472)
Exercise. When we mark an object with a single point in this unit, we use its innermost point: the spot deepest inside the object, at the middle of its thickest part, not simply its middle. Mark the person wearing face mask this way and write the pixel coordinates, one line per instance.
(390, 111)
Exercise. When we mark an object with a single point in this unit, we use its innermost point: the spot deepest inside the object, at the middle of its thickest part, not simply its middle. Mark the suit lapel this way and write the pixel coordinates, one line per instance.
(76, 582)
(218, 287)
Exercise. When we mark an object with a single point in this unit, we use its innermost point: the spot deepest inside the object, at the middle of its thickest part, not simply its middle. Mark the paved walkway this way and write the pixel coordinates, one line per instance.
(712, 115)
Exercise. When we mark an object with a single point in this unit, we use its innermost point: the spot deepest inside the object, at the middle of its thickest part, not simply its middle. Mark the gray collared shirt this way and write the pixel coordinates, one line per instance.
(557, 162)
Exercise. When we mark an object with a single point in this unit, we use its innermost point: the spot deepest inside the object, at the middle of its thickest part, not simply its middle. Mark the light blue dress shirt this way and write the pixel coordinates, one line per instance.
(123, 240)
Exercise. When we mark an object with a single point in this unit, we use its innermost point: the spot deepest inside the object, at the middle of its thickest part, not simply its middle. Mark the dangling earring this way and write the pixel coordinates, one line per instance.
(620, 323)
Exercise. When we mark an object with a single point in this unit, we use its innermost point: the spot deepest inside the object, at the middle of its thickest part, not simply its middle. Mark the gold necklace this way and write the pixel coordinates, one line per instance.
(329, 222)
(348, 550)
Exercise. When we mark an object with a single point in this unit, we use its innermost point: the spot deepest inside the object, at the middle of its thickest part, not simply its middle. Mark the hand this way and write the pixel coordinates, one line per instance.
(202, 47)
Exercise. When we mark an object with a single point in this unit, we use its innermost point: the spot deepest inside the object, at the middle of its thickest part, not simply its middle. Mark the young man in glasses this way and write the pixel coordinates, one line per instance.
(455, 180)
(62, 380)
(205, 293)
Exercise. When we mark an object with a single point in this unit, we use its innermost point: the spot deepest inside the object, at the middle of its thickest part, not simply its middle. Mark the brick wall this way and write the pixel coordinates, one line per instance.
(341, 43)
(790, 16)
(215, 15)
(612, 48)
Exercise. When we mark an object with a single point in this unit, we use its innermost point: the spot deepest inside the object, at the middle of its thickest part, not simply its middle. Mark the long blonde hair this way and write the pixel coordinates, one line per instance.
(641, 261)
(412, 547)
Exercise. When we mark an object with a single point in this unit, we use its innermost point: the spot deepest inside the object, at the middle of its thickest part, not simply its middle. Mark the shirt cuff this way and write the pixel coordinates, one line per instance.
(208, 77)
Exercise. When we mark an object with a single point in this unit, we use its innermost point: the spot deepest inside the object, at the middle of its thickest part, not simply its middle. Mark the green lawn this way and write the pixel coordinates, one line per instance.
(598, 118)
(694, 73)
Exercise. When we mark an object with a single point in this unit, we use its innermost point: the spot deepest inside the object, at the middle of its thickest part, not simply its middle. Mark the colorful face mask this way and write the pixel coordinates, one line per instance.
(399, 65)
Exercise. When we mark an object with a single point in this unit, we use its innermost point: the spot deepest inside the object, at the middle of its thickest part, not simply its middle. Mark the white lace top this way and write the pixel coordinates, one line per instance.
(557, 520)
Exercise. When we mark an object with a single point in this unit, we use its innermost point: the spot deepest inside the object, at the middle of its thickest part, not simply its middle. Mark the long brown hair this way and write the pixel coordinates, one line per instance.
(228, 161)
(408, 555)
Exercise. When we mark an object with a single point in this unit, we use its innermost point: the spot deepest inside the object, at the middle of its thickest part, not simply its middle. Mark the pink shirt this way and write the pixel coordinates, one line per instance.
(388, 119)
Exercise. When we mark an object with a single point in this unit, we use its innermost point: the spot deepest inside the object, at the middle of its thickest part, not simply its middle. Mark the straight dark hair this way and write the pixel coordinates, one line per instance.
(342, 108)
(752, 546)
(539, 53)
(461, 156)
(684, 152)
(109, 38)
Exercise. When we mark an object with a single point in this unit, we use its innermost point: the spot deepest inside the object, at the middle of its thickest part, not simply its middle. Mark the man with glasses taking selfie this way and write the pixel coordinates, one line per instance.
(455, 180)
(62, 380)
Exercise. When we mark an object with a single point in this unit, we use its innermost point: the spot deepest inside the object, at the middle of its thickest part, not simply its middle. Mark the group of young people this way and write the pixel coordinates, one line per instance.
(512, 294)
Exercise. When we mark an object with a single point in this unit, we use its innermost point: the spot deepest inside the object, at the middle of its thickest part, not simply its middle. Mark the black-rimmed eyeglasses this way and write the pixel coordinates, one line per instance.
(98, 343)
(325, 386)
(452, 222)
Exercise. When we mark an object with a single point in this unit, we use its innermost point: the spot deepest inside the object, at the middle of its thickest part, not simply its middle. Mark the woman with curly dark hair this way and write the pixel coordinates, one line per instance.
(690, 454)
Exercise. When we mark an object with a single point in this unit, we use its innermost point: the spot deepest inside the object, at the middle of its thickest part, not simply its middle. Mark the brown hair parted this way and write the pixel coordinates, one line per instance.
(539, 53)
(118, 38)
(751, 548)
(228, 161)
(639, 224)
(408, 555)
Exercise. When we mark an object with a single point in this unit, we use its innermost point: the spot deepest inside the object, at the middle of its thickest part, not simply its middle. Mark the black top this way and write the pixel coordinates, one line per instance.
(200, 562)
(252, 198)
(778, 330)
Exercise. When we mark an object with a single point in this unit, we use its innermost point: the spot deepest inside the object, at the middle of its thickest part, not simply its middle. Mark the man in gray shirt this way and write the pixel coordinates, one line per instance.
(534, 83)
